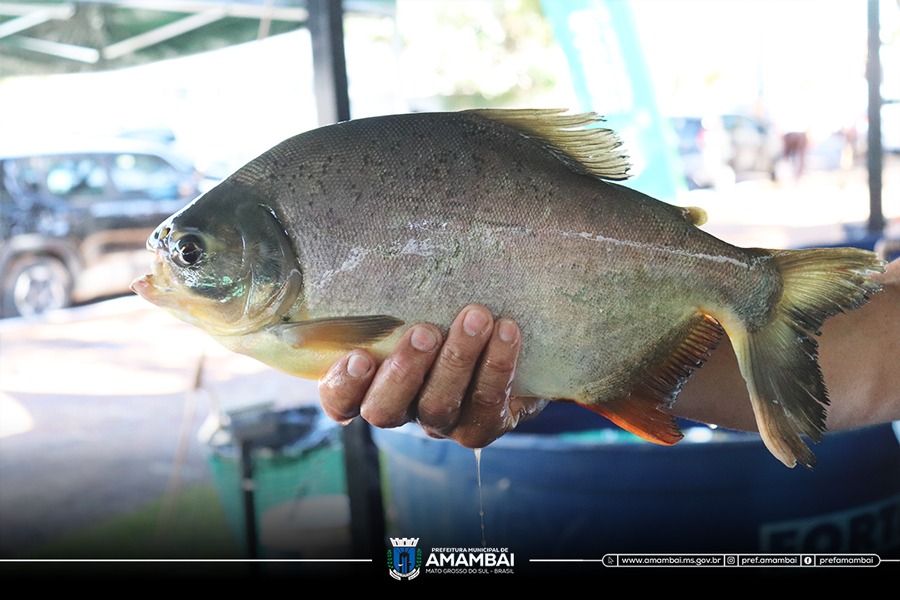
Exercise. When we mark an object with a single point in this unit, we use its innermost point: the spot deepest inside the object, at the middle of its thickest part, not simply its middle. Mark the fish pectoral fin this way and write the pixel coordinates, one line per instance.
(644, 412)
(644, 417)
(339, 333)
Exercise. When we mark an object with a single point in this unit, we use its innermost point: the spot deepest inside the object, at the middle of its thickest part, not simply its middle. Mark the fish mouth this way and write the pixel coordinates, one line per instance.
(144, 287)
(154, 290)
(153, 285)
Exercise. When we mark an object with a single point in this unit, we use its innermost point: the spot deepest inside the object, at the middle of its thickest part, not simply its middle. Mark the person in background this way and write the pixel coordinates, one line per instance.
(457, 386)
(792, 120)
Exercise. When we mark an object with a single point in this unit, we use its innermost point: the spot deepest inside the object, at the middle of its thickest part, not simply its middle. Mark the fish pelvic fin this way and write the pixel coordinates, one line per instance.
(644, 412)
(572, 138)
(338, 333)
(779, 361)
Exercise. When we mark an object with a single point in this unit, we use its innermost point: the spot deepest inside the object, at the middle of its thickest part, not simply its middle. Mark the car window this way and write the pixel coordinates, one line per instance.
(145, 175)
(69, 177)
(76, 176)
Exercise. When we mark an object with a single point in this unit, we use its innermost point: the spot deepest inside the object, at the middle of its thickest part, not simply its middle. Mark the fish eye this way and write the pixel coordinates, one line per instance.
(188, 251)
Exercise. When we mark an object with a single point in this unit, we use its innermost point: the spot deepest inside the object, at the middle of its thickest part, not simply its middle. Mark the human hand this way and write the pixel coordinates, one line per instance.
(458, 388)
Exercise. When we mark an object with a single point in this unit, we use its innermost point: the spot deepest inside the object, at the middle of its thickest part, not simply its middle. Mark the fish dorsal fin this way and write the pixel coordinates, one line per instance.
(585, 149)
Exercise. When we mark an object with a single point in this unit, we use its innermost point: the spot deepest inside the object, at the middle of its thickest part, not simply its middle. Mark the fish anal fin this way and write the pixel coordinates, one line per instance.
(644, 417)
(644, 412)
(699, 336)
(339, 333)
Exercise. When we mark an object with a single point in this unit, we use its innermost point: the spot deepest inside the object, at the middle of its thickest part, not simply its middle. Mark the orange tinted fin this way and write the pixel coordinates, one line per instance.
(339, 333)
(701, 336)
(643, 412)
(643, 417)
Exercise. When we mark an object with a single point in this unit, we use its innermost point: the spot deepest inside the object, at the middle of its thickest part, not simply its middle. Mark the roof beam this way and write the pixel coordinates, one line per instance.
(34, 18)
(59, 11)
(232, 9)
(161, 34)
(67, 51)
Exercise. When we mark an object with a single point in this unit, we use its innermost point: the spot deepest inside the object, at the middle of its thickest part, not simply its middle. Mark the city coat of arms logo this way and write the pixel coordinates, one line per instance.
(404, 559)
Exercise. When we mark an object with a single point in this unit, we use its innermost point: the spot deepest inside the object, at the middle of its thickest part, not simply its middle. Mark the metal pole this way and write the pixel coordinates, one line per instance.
(246, 449)
(326, 28)
(874, 153)
(367, 525)
(367, 528)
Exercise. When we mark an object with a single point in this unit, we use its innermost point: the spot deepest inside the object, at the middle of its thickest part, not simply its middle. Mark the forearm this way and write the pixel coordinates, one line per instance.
(859, 359)
(857, 353)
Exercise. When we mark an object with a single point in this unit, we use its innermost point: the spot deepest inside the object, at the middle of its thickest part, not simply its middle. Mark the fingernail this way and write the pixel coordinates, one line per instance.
(423, 339)
(358, 365)
(508, 331)
(475, 322)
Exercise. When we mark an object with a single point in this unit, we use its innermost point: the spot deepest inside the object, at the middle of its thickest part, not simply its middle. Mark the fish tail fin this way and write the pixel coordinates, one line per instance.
(779, 361)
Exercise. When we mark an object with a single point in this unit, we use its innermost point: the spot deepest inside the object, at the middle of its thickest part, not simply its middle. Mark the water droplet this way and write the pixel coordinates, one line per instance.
(480, 495)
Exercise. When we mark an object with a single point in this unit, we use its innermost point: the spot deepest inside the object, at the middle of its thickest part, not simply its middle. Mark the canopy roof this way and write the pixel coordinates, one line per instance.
(67, 36)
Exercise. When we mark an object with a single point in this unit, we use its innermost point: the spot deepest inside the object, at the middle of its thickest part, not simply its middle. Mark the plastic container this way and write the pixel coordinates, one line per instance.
(297, 475)
(550, 492)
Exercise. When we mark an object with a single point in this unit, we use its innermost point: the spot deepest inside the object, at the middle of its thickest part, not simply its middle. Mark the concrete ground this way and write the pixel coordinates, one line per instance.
(99, 416)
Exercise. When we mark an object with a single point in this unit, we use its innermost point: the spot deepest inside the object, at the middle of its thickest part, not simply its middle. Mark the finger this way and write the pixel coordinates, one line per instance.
(343, 387)
(486, 415)
(439, 402)
(394, 389)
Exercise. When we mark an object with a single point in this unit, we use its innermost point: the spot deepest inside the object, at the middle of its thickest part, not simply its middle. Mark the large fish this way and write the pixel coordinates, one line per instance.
(345, 236)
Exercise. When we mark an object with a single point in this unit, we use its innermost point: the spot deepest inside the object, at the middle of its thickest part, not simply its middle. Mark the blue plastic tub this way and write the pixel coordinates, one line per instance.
(549, 492)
